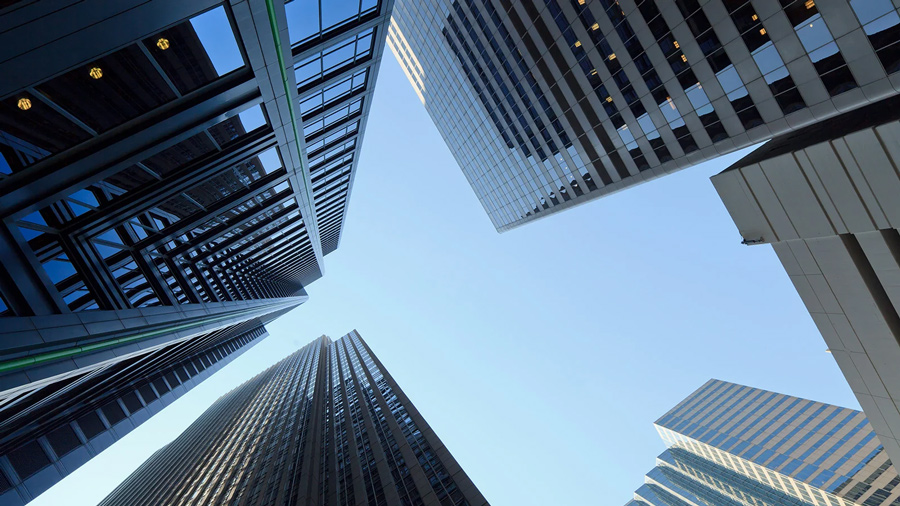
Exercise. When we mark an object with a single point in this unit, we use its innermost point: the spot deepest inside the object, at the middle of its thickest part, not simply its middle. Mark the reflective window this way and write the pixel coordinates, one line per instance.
(215, 34)
(308, 19)
(334, 58)
(814, 34)
(882, 25)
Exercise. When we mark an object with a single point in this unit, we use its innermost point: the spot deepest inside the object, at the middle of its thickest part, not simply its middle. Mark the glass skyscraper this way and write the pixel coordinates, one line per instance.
(172, 174)
(549, 103)
(326, 426)
(731, 445)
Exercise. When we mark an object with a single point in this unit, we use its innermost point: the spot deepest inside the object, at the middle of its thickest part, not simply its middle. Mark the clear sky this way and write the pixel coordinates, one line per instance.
(541, 356)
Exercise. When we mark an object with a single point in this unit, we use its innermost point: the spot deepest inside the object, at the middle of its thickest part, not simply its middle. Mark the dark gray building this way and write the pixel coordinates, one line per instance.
(327, 425)
(549, 103)
(171, 175)
(826, 199)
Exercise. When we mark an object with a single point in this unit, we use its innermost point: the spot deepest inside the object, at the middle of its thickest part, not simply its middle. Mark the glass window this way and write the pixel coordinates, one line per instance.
(252, 118)
(814, 33)
(870, 10)
(307, 19)
(767, 58)
(699, 99)
(217, 37)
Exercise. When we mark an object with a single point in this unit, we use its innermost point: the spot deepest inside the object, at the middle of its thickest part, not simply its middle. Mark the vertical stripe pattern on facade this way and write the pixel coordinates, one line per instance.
(732, 445)
(549, 103)
(326, 426)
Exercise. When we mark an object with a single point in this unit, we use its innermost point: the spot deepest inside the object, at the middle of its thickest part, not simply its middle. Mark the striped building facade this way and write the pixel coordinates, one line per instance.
(326, 426)
(549, 103)
(731, 445)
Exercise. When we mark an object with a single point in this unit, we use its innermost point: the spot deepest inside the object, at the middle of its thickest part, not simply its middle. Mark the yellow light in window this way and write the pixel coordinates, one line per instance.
(684, 58)
(754, 17)
(593, 72)
(810, 4)
(671, 104)
(162, 43)
(762, 31)
(612, 56)
(96, 72)
(581, 2)
(677, 45)
(595, 26)
(609, 99)
(24, 104)
(577, 43)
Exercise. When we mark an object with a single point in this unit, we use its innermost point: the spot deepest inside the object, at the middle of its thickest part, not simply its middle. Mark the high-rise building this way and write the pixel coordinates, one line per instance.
(327, 425)
(171, 175)
(549, 103)
(826, 199)
(731, 445)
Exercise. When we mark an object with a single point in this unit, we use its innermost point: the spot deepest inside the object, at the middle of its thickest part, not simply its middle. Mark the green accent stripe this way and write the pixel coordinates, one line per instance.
(11, 365)
(289, 94)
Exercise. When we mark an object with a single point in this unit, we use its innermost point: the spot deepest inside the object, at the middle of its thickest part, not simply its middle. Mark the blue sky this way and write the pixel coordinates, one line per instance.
(541, 356)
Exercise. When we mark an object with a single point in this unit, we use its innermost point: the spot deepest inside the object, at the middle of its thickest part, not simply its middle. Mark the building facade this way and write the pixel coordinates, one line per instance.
(548, 103)
(171, 175)
(327, 425)
(731, 445)
(825, 198)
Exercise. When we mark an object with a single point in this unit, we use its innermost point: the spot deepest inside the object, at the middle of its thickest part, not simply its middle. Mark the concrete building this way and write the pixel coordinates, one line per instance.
(549, 103)
(731, 445)
(171, 175)
(826, 199)
(327, 425)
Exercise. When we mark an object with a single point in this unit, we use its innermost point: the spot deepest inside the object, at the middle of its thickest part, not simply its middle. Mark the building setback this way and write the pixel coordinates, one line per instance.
(826, 199)
(171, 175)
(327, 425)
(731, 445)
(549, 103)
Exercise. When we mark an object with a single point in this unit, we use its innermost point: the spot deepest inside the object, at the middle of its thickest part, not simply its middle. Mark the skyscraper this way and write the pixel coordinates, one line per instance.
(171, 175)
(549, 103)
(825, 198)
(730, 444)
(327, 425)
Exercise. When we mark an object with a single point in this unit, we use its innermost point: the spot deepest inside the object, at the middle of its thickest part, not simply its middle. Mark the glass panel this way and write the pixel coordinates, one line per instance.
(215, 33)
(869, 10)
(814, 33)
(303, 19)
(252, 118)
(767, 58)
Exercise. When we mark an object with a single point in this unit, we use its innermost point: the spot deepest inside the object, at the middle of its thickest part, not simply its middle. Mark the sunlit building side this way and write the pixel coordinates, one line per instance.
(550, 103)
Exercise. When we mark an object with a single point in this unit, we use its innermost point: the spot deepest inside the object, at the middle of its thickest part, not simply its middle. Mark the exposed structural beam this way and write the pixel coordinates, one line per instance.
(100, 157)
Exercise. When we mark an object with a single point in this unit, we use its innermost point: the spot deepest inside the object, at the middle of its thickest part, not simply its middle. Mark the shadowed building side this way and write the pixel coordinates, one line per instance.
(325, 426)
(171, 176)
(732, 445)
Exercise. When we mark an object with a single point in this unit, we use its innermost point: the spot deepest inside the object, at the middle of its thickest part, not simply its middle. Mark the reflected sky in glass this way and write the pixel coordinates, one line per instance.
(542, 356)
